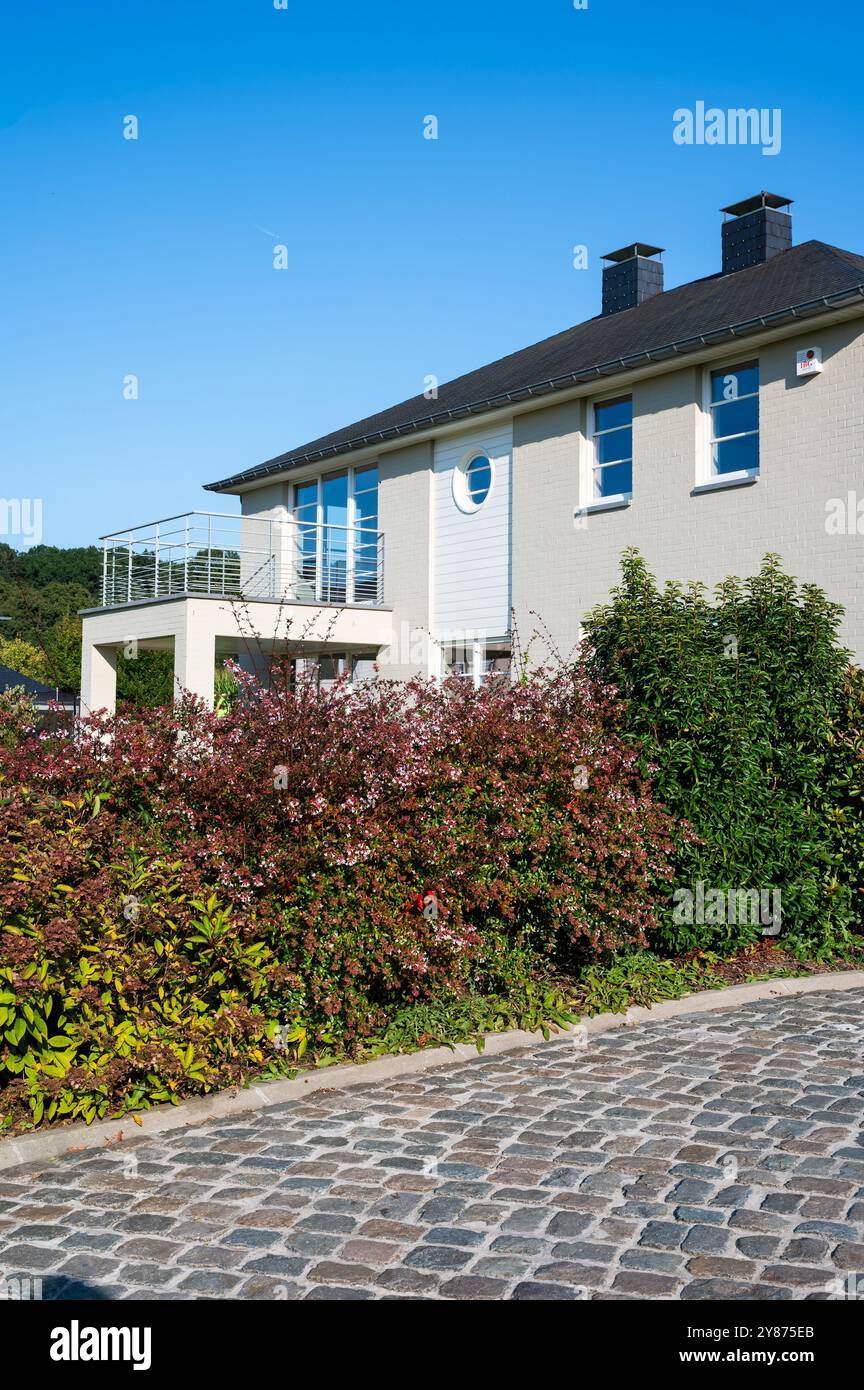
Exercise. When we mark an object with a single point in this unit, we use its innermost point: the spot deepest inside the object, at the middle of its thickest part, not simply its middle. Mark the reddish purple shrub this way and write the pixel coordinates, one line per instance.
(274, 858)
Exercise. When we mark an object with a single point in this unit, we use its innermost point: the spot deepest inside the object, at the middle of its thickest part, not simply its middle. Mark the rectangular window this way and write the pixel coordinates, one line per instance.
(478, 661)
(459, 659)
(306, 516)
(365, 534)
(497, 661)
(337, 537)
(734, 420)
(612, 455)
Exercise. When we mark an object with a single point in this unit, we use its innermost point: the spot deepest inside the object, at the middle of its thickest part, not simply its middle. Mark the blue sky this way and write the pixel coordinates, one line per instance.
(406, 256)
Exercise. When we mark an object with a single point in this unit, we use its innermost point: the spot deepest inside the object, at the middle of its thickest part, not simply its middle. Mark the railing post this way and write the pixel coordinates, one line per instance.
(295, 573)
(156, 576)
(129, 576)
(209, 552)
(186, 554)
(105, 575)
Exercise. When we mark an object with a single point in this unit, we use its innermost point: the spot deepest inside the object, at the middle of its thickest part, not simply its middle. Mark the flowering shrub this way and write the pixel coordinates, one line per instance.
(182, 893)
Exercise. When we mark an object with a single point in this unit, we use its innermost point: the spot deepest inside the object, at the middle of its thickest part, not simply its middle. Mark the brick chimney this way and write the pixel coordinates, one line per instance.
(755, 230)
(632, 277)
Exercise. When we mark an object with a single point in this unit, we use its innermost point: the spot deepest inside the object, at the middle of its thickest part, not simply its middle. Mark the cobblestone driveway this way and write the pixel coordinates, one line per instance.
(713, 1156)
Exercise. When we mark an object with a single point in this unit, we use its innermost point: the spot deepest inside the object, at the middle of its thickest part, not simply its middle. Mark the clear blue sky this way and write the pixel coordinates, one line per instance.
(406, 256)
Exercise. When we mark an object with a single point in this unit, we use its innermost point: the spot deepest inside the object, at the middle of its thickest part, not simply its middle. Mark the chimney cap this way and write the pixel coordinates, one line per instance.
(758, 200)
(636, 248)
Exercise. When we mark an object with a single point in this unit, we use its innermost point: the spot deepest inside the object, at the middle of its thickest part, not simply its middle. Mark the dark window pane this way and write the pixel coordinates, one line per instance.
(737, 454)
(736, 418)
(614, 480)
(479, 474)
(366, 510)
(614, 446)
(496, 663)
(732, 382)
(366, 479)
(334, 495)
(608, 414)
(458, 660)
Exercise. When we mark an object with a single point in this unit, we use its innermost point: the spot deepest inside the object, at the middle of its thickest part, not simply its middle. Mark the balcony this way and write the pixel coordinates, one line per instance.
(220, 554)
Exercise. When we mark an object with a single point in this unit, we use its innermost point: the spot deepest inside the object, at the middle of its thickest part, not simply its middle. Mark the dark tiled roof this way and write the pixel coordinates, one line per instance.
(681, 317)
(10, 680)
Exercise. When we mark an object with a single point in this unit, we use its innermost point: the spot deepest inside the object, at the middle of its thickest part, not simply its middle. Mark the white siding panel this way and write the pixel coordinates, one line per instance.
(471, 553)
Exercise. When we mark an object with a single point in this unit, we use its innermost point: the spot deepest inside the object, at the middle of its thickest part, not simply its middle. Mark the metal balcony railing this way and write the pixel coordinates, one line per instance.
(251, 557)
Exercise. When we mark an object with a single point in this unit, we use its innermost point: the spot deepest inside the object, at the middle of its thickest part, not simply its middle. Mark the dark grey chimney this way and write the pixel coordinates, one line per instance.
(755, 231)
(632, 277)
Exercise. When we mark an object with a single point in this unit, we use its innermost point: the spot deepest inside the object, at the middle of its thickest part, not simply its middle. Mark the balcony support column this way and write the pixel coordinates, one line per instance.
(98, 676)
(194, 658)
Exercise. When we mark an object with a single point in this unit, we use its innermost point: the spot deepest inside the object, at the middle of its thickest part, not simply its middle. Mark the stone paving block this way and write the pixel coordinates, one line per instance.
(529, 1292)
(471, 1287)
(849, 1255)
(323, 1293)
(646, 1285)
(437, 1257)
(728, 1290)
(663, 1234)
(261, 1287)
(705, 1240)
(333, 1272)
(796, 1275)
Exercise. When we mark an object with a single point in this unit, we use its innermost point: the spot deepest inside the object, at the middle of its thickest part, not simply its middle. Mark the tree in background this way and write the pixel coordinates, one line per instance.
(41, 591)
(23, 657)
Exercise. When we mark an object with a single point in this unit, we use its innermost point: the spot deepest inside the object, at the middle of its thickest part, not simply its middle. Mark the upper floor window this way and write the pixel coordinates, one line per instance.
(337, 536)
(612, 439)
(734, 420)
(472, 481)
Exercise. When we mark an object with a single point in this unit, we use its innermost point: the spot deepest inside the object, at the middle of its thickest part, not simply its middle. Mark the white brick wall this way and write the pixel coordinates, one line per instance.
(812, 449)
(405, 518)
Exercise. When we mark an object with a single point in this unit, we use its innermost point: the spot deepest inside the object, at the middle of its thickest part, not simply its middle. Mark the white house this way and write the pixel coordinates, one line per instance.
(706, 424)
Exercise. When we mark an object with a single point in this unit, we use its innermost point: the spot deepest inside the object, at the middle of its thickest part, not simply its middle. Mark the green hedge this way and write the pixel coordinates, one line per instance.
(743, 707)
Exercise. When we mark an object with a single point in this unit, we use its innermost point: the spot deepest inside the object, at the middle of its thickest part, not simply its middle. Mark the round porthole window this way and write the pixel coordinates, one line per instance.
(472, 482)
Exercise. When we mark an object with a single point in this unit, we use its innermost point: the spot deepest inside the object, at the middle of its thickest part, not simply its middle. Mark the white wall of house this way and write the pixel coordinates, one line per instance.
(471, 550)
(811, 451)
(406, 477)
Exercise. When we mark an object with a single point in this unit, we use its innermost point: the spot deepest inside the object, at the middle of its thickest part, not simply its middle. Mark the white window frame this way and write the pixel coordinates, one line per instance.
(351, 470)
(476, 648)
(591, 500)
(706, 475)
(461, 496)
